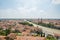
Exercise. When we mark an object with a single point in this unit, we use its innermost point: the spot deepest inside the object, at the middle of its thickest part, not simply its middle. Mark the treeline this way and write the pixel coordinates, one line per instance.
(48, 25)
(25, 23)
(8, 31)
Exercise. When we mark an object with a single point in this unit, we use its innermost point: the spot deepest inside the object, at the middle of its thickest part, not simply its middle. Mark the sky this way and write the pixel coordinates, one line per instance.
(30, 9)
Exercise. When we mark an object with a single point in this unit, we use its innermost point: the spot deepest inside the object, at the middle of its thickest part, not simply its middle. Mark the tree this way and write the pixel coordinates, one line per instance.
(7, 31)
(50, 37)
(30, 24)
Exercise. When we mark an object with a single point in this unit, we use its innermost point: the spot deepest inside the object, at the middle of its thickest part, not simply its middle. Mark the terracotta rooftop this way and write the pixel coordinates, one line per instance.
(2, 37)
(25, 38)
(29, 38)
(55, 34)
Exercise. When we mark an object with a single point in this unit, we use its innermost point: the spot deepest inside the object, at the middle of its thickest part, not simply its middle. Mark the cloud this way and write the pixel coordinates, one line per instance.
(56, 1)
(29, 9)
(21, 13)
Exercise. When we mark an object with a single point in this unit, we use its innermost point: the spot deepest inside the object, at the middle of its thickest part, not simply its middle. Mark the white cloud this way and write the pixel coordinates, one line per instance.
(56, 1)
(28, 9)
(20, 13)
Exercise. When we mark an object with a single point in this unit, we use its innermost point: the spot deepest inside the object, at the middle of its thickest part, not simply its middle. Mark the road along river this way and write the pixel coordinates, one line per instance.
(46, 30)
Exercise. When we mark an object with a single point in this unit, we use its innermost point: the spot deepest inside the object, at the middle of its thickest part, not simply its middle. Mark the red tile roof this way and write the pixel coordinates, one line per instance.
(55, 34)
(25, 38)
